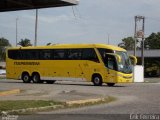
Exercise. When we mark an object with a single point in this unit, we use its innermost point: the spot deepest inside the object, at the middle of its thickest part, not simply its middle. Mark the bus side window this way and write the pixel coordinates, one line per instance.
(74, 54)
(14, 54)
(111, 62)
(103, 52)
(47, 55)
(89, 54)
(35, 54)
(60, 54)
(26, 54)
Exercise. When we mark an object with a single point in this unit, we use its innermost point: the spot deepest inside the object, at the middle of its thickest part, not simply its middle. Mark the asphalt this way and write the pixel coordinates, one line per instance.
(141, 98)
(60, 91)
(15, 93)
(132, 98)
(65, 91)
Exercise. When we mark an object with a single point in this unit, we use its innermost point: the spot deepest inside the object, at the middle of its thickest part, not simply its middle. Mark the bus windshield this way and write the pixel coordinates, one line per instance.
(125, 64)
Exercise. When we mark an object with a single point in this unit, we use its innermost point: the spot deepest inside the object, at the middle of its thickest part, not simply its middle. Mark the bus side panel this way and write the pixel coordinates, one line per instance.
(57, 68)
(112, 76)
(91, 67)
(9, 69)
(82, 70)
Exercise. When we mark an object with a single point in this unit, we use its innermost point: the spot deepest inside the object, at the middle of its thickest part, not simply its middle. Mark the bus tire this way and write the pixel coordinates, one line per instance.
(26, 78)
(50, 81)
(110, 84)
(36, 78)
(97, 80)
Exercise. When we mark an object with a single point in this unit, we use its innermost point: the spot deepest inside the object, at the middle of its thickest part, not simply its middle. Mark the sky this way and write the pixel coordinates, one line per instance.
(92, 21)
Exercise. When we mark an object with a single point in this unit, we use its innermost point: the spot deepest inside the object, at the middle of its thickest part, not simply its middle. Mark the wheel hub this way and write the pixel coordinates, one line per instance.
(97, 80)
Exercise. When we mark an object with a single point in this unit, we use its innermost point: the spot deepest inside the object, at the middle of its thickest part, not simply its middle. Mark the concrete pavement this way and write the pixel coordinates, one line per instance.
(138, 98)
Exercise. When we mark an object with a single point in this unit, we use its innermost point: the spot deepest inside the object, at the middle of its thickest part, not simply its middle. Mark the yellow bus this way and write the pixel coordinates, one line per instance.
(97, 63)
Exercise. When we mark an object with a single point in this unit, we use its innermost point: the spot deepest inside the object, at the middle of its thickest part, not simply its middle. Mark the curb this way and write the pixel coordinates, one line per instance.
(82, 102)
(9, 92)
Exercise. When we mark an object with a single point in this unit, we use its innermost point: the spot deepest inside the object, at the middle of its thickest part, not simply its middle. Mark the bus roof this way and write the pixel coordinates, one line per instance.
(112, 47)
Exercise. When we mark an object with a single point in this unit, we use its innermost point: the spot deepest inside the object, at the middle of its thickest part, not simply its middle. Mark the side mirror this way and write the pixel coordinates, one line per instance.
(133, 59)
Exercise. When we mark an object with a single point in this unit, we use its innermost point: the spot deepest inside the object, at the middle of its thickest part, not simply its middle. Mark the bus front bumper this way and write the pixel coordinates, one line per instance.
(124, 78)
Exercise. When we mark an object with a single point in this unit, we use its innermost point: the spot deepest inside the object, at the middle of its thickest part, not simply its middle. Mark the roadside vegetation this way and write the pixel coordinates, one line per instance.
(33, 106)
(24, 104)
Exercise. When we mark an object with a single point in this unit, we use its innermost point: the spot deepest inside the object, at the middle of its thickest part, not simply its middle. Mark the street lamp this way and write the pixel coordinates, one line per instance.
(16, 30)
(36, 26)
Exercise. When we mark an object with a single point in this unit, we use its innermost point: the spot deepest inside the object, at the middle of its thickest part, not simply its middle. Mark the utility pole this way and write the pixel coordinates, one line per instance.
(135, 36)
(36, 26)
(139, 33)
(142, 46)
(16, 31)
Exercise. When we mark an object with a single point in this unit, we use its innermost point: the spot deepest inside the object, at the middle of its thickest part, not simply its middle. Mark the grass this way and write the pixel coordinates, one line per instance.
(23, 104)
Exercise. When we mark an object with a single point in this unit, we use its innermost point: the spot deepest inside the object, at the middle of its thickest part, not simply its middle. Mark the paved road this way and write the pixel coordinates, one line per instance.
(136, 98)
(133, 98)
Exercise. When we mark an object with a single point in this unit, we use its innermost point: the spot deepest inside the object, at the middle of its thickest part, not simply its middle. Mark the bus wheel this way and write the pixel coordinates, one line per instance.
(26, 78)
(110, 84)
(97, 80)
(50, 82)
(36, 78)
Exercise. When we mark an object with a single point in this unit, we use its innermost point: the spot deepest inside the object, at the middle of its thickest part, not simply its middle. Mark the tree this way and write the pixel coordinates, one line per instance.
(48, 44)
(3, 44)
(153, 41)
(127, 43)
(25, 42)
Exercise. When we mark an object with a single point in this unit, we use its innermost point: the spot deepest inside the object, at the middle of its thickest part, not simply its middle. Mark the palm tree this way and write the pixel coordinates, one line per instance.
(48, 44)
(25, 42)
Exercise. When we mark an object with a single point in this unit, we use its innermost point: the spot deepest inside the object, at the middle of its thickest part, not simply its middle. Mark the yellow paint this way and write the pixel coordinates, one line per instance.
(9, 92)
(66, 68)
